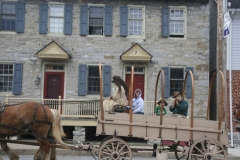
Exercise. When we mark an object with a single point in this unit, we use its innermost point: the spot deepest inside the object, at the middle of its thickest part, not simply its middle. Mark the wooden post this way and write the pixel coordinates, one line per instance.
(131, 97)
(220, 56)
(101, 97)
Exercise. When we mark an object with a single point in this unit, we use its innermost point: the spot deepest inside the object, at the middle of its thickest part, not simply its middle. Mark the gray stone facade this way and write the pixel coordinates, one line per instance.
(190, 51)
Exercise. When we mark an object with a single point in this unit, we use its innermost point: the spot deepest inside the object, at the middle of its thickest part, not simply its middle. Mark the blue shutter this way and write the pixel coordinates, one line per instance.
(165, 22)
(84, 20)
(20, 17)
(68, 9)
(43, 21)
(17, 78)
(124, 21)
(189, 83)
(82, 80)
(167, 82)
(108, 21)
(107, 74)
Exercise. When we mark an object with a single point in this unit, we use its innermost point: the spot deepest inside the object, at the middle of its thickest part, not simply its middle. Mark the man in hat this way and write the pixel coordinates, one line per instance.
(179, 106)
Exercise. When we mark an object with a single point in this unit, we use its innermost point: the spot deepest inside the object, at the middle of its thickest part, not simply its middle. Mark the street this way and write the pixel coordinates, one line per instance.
(63, 157)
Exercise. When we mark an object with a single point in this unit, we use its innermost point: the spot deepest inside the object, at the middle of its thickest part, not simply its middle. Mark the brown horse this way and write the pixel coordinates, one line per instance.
(38, 119)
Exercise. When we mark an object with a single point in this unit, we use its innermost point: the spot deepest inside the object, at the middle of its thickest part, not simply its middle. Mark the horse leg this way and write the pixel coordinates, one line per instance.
(12, 155)
(53, 154)
(43, 152)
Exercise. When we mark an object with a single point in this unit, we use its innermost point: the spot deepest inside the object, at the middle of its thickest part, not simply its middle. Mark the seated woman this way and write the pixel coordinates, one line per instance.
(137, 102)
(158, 109)
(120, 95)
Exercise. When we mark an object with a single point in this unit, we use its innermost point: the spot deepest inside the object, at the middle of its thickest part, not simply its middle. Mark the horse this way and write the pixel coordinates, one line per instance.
(34, 119)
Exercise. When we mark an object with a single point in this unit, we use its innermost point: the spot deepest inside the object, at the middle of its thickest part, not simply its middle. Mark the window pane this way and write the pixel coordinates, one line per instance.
(177, 13)
(176, 85)
(135, 13)
(135, 27)
(8, 8)
(176, 26)
(56, 11)
(8, 22)
(93, 80)
(96, 12)
(56, 25)
(176, 73)
(93, 71)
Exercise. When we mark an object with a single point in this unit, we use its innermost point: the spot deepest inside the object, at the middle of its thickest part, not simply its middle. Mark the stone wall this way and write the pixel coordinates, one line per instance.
(191, 51)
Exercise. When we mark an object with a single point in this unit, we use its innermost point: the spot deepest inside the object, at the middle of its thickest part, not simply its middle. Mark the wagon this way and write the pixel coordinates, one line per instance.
(190, 138)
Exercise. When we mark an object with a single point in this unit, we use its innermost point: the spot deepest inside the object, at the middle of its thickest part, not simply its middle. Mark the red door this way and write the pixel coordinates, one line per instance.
(137, 83)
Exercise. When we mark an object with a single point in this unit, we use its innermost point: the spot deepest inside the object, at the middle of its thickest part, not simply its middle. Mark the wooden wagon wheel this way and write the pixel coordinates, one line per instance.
(207, 149)
(115, 149)
(179, 155)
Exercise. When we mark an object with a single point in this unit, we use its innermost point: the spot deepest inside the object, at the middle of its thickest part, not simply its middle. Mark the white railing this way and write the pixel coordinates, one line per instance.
(74, 108)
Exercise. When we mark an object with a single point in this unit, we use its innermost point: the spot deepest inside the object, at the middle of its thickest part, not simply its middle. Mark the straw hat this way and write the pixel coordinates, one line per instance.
(175, 94)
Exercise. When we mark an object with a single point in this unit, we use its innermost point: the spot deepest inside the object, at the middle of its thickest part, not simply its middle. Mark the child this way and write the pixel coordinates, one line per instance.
(157, 110)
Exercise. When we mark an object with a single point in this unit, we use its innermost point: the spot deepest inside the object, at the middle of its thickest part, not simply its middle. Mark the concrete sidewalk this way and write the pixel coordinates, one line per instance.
(233, 153)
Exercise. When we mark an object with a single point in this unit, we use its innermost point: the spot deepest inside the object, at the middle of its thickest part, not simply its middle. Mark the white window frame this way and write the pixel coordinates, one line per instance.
(96, 5)
(176, 67)
(143, 21)
(9, 63)
(184, 34)
(50, 4)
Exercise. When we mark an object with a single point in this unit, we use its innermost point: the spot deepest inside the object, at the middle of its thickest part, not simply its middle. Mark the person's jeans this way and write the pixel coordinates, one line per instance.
(139, 113)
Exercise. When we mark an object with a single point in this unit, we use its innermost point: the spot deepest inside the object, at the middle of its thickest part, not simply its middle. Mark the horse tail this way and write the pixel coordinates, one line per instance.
(57, 129)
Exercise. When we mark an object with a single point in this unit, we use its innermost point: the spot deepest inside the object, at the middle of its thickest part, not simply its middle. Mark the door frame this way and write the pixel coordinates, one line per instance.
(145, 73)
(62, 82)
(43, 76)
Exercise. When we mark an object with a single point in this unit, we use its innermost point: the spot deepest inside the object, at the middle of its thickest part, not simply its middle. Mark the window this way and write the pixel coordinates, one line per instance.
(88, 80)
(176, 80)
(173, 22)
(96, 20)
(177, 22)
(56, 18)
(135, 21)
(93, 80)
(6, 77)
(132, 21)
(8, 16)
(12, 16)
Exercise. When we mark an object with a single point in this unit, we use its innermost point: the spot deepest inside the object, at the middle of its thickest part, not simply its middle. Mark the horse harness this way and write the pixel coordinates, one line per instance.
(25, 129)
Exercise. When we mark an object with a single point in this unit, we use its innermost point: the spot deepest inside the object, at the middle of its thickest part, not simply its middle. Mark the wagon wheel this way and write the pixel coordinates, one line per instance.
(179, 155)
(115, 149)
(105, 139)
(207, 149)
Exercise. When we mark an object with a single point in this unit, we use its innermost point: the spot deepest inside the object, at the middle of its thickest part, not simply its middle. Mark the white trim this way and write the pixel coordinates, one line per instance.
(185, 21)
(43, 76)
(143, 36)
(145, 75)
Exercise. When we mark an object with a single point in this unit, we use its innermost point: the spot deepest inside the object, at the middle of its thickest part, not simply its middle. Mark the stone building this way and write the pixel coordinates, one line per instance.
(60, 44)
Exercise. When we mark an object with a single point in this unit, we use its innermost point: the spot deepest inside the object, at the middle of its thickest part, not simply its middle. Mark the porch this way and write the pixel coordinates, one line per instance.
(75, 112)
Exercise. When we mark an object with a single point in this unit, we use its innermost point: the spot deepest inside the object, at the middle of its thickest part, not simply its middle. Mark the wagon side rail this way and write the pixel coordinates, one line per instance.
(192, 102)
(221, 112)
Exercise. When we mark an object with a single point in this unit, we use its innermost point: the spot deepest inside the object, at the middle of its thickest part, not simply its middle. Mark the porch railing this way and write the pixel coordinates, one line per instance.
(74, 107)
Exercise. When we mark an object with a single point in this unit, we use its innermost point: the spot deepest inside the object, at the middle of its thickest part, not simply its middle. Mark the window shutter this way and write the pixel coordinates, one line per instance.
(17, 78)
(124, 21)
(167, 82)
(107, 74)
(82, 80)
(189, 83)
(20, 17)
(43, 22)
(68, 9)
(165, 22)
(84, 20)
(108, 20)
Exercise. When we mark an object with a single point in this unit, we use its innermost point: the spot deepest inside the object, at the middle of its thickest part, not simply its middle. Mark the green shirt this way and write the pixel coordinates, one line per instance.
(181, 108)
(158, 111)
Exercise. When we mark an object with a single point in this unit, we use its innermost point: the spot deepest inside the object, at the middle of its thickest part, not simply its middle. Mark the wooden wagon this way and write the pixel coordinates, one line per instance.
(189, 138)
